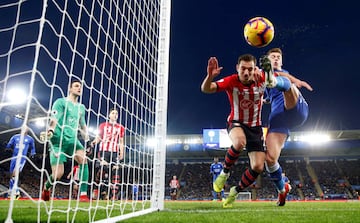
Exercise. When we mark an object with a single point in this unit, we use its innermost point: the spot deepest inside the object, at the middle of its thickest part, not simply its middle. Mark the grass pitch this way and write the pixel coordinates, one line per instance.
(197, 211)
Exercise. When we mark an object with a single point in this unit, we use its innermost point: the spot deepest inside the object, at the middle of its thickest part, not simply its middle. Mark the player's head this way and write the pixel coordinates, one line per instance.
(75, 87)
(275, 56)
(216, 159)
(113, 115)
(246, 68)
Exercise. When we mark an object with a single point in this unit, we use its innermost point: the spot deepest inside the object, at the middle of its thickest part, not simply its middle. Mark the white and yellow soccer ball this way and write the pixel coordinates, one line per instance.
(259, 32)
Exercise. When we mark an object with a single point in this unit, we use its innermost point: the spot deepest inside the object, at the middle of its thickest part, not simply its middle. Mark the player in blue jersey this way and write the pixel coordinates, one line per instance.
(288, 111)
(135, 191)
(14, 144)
(215, 169)
(286, 180)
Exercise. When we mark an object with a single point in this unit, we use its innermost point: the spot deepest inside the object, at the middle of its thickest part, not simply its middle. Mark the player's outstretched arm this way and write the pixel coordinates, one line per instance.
(213, 69)
(299, 83)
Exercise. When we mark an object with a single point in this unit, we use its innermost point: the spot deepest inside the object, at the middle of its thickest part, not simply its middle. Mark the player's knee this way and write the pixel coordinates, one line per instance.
(59, 174)
(271, 158)
(259, 168)
(239, 145)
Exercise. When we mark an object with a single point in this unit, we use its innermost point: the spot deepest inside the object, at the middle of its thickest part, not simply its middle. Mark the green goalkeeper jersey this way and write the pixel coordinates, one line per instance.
(70, 116)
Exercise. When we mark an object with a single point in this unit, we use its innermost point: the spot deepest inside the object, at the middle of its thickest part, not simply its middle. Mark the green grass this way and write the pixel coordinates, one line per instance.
(201, 212)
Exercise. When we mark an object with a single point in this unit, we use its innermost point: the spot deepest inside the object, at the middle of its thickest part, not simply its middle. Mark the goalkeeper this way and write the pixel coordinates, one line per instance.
(68, 116)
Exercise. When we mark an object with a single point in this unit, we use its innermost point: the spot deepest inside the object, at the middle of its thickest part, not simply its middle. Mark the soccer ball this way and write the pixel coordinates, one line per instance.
(259, 32)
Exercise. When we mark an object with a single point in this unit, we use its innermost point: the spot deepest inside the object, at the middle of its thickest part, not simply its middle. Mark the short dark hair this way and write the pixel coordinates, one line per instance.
(74, 80)
(275, 50)
(247, 58)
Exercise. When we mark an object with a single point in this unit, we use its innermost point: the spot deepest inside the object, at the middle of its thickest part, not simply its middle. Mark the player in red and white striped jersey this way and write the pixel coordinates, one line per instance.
(174, 187)
(111, 150)
(244, 121)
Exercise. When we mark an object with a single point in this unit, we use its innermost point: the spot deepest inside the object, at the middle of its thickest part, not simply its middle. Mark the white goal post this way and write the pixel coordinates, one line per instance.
(119, 50)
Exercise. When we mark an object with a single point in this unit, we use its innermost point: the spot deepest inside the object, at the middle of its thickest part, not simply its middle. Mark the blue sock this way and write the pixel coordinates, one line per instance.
(12, 180)
(222, 194)
(275, 175)
(283, 83)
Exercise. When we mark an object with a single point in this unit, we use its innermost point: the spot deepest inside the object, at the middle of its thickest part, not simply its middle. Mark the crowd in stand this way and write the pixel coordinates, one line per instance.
(310, 180)
(314, 180)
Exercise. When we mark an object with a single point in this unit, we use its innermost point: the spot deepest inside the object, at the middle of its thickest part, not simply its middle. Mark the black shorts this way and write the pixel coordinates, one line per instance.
(254, 136)
(110, 157)
(173, 190)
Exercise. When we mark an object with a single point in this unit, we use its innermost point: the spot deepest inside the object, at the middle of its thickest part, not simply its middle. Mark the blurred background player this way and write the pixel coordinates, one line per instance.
(288, 110)
(67, 118)
(111, 150)
(174, 187)
(286, 180)
(74, 176)
(14, 144)
(135, 191)
(215, 169)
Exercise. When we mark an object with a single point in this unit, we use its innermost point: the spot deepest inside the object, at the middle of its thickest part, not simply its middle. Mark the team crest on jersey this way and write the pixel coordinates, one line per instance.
(246, 104)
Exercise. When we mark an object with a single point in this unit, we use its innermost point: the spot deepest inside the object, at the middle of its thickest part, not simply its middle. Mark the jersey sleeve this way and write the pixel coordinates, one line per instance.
(122, 131)
(224, 83)
(10, 144)
(82, 117)
(101, 131)
(57, 110)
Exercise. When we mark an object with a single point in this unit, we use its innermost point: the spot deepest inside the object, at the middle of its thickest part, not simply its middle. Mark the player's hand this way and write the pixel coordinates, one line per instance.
(89, 148)
(301, 84)
(50, 133)
(257, 74)
(46, 135)
(213, 68)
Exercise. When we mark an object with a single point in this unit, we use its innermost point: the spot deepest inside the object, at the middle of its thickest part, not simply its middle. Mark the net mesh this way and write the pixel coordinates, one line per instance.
(113, 48)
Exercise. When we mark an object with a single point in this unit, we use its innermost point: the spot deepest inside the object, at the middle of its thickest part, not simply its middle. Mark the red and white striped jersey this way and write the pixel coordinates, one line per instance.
(245, 100)
(174, 184)
(110, 135)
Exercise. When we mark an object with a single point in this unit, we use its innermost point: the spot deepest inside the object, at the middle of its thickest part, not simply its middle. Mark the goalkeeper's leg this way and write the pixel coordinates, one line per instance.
(80, 158)
(57, 171)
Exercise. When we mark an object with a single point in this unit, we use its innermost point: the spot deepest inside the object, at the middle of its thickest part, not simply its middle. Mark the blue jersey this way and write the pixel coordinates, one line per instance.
(135, 189)
(14, 143)
(215, 169)
(280, 119)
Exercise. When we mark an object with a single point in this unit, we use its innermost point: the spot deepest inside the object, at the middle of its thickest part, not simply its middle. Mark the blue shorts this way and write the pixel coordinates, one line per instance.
(282, 120)
(13, 164)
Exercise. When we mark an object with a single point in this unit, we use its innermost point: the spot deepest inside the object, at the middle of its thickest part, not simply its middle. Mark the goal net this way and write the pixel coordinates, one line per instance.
(118, 49)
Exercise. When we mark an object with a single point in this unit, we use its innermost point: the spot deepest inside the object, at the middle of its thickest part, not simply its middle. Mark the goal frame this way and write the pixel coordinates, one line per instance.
(248, 193)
